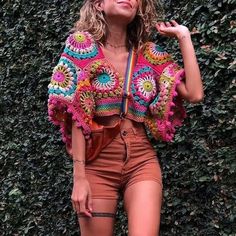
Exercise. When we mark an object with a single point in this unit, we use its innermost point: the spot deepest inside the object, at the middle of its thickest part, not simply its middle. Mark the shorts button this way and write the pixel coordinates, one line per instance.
(124, 133)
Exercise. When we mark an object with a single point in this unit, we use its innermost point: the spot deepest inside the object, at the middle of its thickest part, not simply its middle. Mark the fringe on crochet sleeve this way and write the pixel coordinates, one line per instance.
(166, 111)
(70, 92)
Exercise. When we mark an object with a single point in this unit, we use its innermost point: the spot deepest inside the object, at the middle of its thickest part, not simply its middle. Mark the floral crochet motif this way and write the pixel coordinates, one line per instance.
(104, 78)
(81, 46)
(155, 54)
(64, 79)
(105, 81)
(144, 84)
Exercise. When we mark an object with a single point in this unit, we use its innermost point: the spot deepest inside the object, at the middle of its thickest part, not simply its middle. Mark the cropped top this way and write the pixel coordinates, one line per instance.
(85, 85)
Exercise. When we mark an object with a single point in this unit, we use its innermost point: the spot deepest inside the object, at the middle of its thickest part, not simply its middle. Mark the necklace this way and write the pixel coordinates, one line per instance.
(116, 46)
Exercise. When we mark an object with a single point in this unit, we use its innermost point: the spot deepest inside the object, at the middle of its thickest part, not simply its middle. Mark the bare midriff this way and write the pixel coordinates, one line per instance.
(125, 122)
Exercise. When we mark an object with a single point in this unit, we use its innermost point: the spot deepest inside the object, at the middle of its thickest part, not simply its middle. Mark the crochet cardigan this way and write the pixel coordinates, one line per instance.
(84, 85)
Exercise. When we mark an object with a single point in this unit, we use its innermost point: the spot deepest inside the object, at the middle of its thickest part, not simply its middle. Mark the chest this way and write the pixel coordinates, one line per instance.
(118, 62)
(108, 83)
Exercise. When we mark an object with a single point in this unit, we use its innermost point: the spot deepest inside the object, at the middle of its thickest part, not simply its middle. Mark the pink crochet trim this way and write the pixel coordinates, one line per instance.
(59, 110)
(168, 112)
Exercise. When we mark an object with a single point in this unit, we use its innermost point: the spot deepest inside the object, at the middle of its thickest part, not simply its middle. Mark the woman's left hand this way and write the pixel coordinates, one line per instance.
(172, 29)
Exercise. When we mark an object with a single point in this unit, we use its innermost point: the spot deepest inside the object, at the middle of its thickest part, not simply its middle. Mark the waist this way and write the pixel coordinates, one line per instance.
(125, 122)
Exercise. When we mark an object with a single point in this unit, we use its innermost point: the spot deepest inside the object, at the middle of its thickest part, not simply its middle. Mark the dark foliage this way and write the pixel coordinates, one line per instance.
(199, 168)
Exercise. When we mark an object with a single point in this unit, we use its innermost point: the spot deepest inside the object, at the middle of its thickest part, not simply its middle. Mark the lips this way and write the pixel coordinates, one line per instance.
(125, 3)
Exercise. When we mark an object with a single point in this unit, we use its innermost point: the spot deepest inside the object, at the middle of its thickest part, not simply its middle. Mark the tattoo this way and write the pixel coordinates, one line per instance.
(183, 37)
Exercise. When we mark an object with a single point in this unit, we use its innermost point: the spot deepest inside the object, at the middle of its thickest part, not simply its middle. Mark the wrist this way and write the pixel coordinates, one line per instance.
(79, 162)
(79, 176)
(183, 35)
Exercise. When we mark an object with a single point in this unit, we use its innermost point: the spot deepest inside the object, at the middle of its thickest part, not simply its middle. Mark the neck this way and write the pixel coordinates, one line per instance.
(117, 36)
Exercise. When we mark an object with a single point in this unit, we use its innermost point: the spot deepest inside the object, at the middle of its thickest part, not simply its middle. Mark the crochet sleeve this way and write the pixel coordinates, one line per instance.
(166, 111)
(70, 92)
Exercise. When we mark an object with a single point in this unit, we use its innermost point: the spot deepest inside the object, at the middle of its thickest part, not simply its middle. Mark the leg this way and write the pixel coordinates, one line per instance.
(102, 222)
(142, 201)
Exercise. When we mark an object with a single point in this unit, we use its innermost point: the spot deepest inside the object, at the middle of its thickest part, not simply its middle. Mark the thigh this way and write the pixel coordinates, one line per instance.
(102, 222)
(142, 202)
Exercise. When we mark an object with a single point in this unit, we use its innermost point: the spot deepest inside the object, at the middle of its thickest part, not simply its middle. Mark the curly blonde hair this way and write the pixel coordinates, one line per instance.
(139, 31)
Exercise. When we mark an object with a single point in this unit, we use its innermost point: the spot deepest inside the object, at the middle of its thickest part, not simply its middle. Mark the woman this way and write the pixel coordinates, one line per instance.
(110, 72)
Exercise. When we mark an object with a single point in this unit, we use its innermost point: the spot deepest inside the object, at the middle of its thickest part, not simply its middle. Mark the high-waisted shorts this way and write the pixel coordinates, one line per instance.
(128, 159)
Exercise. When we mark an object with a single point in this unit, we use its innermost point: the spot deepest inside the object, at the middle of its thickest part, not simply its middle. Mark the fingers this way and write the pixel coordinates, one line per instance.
(76, 205)
(168, 28)
(83, 205)
(83, 208)
(168, 24)
(89, 202)
(163, 25)
(174, 23)
(160, 25)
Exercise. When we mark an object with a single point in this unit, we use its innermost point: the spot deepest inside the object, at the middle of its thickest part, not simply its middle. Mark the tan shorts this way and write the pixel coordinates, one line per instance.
(128, 159)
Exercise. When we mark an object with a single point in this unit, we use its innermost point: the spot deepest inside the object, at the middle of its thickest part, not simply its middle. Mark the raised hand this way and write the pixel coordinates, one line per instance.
(172, 29)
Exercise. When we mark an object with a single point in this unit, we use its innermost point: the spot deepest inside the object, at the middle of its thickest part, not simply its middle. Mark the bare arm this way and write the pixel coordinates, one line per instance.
(78, 149)
(81, 193)
(191, 89)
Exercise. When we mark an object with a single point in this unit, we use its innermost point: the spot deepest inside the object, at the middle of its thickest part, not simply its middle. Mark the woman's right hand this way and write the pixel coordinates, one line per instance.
(81, 196)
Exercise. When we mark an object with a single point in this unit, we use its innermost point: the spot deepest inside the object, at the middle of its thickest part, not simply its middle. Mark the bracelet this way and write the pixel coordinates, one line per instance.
(80, 161)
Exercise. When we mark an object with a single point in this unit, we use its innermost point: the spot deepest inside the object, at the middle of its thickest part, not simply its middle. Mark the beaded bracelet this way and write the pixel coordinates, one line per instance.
(80, 161)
